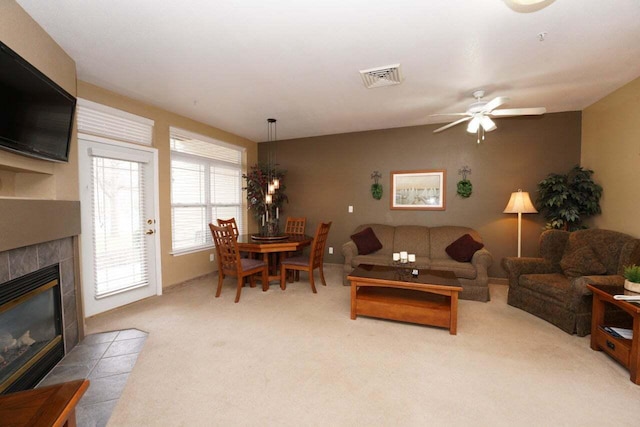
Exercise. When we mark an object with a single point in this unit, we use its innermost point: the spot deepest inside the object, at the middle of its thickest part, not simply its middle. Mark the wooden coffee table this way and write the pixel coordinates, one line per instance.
(429, 299)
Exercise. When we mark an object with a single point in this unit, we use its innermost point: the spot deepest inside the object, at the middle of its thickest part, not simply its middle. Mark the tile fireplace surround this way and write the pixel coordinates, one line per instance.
(37, 234)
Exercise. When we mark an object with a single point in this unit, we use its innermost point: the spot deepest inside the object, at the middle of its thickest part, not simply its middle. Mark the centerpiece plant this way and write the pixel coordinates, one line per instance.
(632, 277)
(566, 200)
(266, 214)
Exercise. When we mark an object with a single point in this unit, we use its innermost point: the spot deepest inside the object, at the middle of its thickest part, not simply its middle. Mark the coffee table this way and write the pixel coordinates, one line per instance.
(387, 292)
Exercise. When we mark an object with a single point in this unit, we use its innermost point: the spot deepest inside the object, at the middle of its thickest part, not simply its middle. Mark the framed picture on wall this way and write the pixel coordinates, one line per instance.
(418, 190)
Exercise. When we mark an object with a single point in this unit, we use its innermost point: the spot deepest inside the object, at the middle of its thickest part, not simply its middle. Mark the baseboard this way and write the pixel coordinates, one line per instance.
(498, 280)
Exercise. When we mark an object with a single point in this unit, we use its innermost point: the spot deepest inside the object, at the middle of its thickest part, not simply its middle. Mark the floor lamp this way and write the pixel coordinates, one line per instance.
(520, 203)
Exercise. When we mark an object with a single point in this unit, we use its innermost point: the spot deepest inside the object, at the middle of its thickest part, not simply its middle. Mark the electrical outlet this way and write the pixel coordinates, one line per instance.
(330, 250)
(212, 257)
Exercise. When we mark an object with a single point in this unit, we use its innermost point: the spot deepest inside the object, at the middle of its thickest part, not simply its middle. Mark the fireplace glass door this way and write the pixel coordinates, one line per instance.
(30, 328)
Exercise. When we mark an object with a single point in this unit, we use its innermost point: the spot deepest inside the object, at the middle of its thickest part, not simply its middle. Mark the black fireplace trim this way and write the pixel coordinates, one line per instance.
(37, 372)
(15, 288)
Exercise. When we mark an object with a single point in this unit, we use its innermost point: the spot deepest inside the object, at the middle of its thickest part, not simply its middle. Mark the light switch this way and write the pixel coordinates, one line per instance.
(350, 209)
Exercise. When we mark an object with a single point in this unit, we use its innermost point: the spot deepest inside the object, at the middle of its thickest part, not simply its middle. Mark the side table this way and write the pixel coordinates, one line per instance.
(47, 406)
(623, 350)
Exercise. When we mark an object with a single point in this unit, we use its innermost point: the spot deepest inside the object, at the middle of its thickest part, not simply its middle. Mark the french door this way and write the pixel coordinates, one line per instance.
(120, 241)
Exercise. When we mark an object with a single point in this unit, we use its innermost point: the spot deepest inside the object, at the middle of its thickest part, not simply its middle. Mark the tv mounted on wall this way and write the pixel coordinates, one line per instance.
(36, 115)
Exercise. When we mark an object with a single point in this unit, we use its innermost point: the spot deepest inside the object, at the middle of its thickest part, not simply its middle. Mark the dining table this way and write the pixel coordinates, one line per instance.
(276, 246)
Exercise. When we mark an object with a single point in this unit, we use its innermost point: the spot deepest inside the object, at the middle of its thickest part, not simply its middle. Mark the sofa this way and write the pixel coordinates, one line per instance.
(554, 285)
(429, 244)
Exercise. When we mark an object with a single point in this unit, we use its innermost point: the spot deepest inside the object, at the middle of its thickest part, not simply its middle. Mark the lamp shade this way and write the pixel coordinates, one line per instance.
(487, 124)
(473, 125)
(520, 202)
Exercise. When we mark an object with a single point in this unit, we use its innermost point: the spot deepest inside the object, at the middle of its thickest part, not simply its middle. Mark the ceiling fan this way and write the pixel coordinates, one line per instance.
(480, 112)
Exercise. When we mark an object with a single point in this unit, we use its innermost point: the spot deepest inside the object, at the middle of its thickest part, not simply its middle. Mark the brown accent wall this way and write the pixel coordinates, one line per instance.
(327, 174)
(611, 148)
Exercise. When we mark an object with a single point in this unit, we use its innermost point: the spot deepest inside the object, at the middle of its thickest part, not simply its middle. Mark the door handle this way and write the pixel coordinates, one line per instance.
(149, 232)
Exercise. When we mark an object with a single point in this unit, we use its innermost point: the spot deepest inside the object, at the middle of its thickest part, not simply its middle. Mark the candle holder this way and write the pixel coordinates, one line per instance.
(403, 269)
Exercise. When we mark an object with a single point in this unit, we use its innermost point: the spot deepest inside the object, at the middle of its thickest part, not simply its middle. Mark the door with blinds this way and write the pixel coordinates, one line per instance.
(119, 223)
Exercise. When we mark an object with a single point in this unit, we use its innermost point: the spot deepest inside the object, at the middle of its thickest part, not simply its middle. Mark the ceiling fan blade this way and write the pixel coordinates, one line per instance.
(464, 119)
(495, 103)
(448, 114)
(536, 111)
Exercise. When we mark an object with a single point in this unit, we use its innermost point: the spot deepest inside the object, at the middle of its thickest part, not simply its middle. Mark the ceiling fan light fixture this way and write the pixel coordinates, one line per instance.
(474, 124)
(487, 124)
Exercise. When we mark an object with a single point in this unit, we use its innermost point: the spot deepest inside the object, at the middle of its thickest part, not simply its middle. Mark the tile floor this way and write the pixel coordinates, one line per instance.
(106, 359)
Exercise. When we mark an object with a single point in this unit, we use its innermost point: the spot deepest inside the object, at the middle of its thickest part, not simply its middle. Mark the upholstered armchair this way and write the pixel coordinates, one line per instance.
(554, 286)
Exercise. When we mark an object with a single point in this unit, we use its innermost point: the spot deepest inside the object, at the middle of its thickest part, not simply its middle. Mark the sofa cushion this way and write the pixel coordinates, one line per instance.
(463, 270)
(413, 239)
(556, 286)
(580, 260)
(366, 241)
(372, 259)
(462, 249)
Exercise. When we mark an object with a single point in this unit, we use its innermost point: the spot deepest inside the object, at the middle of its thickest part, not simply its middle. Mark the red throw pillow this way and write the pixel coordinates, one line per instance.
(366, 241)
(462, 250)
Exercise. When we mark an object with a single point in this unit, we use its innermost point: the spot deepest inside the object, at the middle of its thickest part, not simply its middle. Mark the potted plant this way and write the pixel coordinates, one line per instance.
(566, 200)
(267, 215)
(632, 278)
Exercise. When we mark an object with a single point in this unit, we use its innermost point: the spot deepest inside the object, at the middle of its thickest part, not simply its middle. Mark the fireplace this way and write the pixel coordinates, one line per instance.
(31, 328)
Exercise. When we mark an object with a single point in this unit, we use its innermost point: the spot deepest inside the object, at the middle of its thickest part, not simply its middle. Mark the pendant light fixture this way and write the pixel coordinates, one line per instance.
(273, 183)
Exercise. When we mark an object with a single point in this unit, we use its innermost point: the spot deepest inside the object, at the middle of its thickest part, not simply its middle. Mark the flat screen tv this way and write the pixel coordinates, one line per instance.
(36, 115)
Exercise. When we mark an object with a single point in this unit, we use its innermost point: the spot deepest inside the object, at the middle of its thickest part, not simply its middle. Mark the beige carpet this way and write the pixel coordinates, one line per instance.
(294, 358)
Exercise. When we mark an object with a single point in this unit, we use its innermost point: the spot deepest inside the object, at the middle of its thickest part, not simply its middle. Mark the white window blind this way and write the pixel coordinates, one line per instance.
(120, 246)
(101, 120)
(206, 184)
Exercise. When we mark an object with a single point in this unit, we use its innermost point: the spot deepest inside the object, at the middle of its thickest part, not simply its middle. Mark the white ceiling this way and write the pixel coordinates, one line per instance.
(233, 64)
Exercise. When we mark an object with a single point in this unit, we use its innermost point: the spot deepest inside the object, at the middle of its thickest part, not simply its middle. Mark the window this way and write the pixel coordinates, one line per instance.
(206, 184)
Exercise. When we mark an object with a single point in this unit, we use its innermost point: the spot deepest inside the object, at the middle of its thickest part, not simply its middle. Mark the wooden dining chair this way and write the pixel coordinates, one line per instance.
(309, 262)
(232, 223)
(295, 225)
(230, 263)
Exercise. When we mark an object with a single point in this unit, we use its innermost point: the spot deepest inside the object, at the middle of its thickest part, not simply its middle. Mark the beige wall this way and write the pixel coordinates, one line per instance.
(38, 179)
(23, 176)
(327, 174)
(175, 269)
(611, 147)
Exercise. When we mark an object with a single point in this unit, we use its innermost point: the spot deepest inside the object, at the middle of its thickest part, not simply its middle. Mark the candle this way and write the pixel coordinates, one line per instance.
(277, 213)
(412, 257)
(396, 256)
(263, 220)
(403, 256)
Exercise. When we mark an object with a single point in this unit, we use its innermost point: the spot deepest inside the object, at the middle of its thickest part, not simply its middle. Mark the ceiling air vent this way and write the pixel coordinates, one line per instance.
(382, 76)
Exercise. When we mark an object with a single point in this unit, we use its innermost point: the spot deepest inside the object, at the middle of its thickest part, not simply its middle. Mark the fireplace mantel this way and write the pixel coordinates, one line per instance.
(25, 222)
